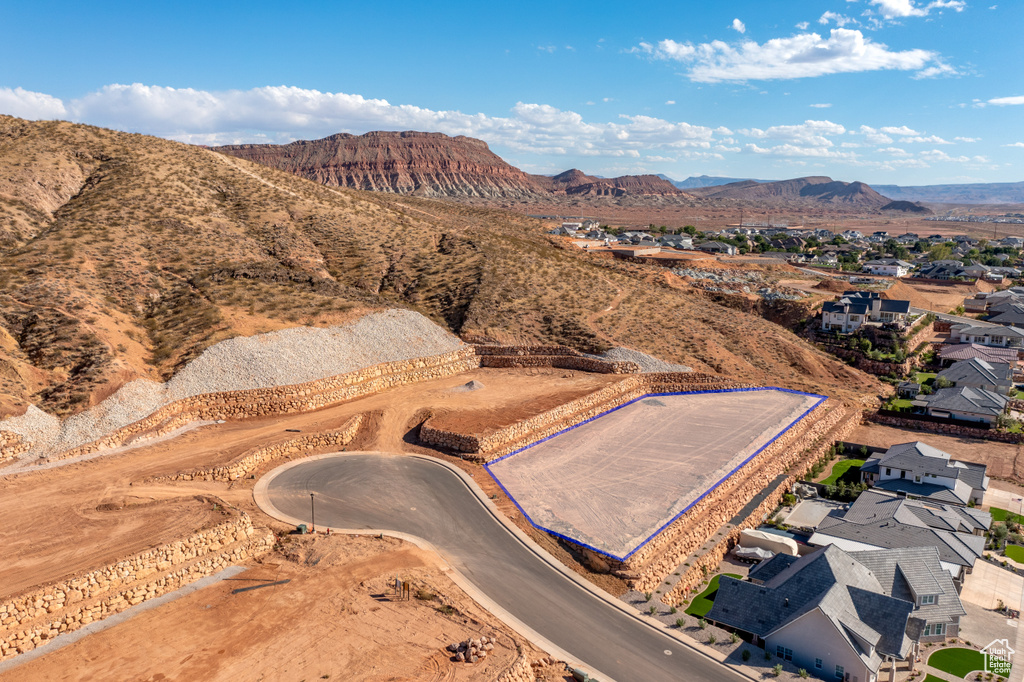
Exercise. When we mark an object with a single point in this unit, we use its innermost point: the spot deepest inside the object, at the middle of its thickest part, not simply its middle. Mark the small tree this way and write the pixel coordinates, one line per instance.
(941, 382)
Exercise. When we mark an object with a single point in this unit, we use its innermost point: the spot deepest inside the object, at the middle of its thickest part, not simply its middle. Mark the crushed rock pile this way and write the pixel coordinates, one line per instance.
(282, 358)
(471, 650)
(747, 282)
(648, 363)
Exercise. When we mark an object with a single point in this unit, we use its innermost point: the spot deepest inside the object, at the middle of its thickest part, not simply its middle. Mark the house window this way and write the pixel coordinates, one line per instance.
(934, 629)
(888, 472)
(917, 479)
(818, 663)
(840, 671)
(783, 652)
(927, 599)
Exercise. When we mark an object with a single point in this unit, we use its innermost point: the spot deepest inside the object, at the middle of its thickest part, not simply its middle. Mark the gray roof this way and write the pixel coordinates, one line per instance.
(889, 306)
(909, 571)
(968, 330)
(881, 520)
(766, 570)
(1010, 314)
(966, 399)
(830, 580)
(921, 458)
(844, 306)
(960, 493)
(977, 372)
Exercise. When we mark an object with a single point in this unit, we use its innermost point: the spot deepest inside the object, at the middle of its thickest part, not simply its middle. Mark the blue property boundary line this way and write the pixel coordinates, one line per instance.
(487, 466)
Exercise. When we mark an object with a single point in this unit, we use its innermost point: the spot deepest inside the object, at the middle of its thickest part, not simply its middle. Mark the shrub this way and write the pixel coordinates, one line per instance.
(803, 673)
(777, 669)
(712, 639)
(734, 638)
(424, 595)
(745, 655)
(680, 622)
(648, 595)
(652, 610)
(703, 624)
(673, 610)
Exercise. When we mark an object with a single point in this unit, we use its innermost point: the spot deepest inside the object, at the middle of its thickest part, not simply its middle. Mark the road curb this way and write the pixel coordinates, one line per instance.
(262, 500)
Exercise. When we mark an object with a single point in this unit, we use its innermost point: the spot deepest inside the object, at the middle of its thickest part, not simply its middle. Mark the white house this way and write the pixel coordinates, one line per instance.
(889, 267)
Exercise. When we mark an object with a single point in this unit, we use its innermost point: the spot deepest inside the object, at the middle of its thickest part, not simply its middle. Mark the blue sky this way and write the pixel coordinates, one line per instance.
(884, 91)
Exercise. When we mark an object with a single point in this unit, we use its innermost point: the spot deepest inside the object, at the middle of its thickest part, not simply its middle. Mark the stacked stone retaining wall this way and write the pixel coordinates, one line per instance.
(254, 459)
(694, 574)
(32, 619)
(946, 429)
(286, 399)
(11, 445)
(795, 449)
(502, 442)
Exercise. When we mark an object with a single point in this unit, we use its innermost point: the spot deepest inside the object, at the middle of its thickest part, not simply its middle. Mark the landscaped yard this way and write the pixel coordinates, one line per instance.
(923, 378)
(1015, 552)
(845, 469)
(1005, 516)
(900, 405)
(956, 661)
(701, 604)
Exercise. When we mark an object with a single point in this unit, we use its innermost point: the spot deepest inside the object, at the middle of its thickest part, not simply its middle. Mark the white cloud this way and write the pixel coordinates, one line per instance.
(899, 130)
(939, 155)
(966, 139)
(282, 114)
(1006, 101)
(806, 134)
(803, 25)
(547, 48)
(27, 104)
(940, 68)
(1015, 144)
(875, 136)
(839, 19)
(738, 25)
(897, 9)
(790, 150)
(800, 56)
(670, 102)
(924, 139)
(821, 106)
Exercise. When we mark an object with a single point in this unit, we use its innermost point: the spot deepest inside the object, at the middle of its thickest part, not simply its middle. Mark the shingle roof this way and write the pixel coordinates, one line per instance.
(880, 520)
(829, 579)
(966, 399)
(922, 458)
(844, 307)
(905, 571)
(960, 493)
(977, 372)
(968, 330)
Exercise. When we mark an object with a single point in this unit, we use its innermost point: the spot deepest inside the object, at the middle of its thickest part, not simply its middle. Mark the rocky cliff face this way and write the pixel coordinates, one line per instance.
(432, 164)
(816, 189)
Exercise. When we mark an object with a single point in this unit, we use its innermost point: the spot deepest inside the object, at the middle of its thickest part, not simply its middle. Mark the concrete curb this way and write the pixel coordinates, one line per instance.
(262, 500)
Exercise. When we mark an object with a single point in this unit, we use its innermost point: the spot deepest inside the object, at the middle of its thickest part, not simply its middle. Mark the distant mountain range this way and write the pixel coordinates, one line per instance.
(436, 165)
(979, 193)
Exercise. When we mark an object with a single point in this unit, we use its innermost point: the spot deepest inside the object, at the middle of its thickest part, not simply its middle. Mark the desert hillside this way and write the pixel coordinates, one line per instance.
(125, 256)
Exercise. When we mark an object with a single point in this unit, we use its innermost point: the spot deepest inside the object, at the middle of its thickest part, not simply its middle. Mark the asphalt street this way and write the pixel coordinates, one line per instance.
(427, 500)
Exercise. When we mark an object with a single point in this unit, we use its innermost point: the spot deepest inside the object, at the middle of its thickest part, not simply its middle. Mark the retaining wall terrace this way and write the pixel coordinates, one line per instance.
(11, 445)
(561, 357)
(796, 448)
(252, 460)
(31, 619)
(694, 575)
(492, 446)
(305, 397)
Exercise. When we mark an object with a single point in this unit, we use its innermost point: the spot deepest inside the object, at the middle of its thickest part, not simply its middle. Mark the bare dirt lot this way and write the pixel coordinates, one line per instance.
(336, 618)
(612, 482)
(1004, 460)
(70, 519)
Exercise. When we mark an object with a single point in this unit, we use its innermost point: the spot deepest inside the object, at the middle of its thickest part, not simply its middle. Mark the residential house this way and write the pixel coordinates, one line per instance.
(854, 308)
(991, 376)
(563, 231)
(828, 260)
(942, 269)
(719, 247)
(882, 520)
(851, 235)
(920, 470)
(950, 353)
(889, 267)
(1012, 242)
(907, 238)
(989, 335)
(963, 403)
(677, 241)
(985, 272)
(824, 612)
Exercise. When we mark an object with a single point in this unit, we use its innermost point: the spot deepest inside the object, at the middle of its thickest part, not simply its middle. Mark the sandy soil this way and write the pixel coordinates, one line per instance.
(1004, 460)
(67, 520)
(335, 619)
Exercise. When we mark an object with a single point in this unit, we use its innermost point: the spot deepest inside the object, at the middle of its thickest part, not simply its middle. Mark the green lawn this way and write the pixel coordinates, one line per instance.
(957, 661)
(1015, 552)
(932, 678)
(846, 469)
(701, 604)
(900, 404)
(1005, 516)
(923, 378)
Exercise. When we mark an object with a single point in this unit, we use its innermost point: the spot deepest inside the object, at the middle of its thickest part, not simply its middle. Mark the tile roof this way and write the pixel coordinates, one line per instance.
(921, 458)
(966, 351)
(906, 571)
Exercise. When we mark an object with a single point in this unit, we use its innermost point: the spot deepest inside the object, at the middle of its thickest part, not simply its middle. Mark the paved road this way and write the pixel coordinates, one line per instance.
(425, 499)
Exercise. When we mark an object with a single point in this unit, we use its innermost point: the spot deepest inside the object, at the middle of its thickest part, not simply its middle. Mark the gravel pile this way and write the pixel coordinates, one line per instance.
(742, 278)
(647, 362)
(291, 356)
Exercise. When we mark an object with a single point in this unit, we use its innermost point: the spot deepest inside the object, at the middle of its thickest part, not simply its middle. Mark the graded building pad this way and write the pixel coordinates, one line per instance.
(615, 481)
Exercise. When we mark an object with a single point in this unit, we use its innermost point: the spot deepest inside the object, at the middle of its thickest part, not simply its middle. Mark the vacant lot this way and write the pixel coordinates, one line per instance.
(1001, 458)
(612, 482)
